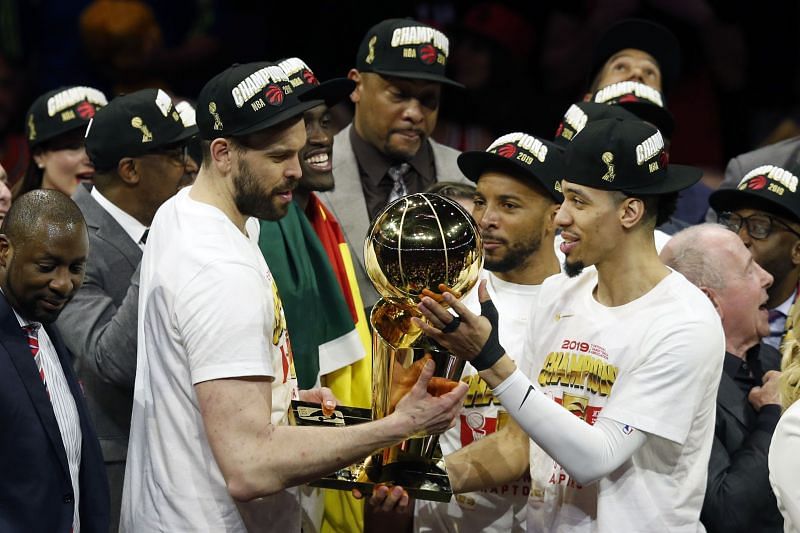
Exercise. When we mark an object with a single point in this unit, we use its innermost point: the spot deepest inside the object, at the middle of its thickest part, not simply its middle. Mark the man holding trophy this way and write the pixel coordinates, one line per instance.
(630, 350)
(210, 449)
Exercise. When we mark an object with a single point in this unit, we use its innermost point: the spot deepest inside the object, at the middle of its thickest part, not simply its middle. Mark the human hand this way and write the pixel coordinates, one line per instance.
(321, 395)
(468, 336)
(387, 498)
(439, 296)
(422, 413)
(768, 393)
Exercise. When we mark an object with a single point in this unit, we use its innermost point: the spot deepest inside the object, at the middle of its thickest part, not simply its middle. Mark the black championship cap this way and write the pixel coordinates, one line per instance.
(642, 100)
(768, 188)
(61, 111)
(132, 125)
(625, 155)
(247, 98)
(581, 113)
(520, 155)
(405, 48)
(307, 86)
(643, 35)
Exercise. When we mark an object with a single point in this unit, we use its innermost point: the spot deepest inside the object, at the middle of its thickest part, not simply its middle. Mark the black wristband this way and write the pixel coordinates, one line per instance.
(491, 351)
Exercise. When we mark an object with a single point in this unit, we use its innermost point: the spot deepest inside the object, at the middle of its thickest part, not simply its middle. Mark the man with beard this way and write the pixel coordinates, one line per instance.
(307, 254)
(387, 151)
(738, 494)
(515, 203)
(764, 210)
(210, 449)
(53, 475)
(620, 365)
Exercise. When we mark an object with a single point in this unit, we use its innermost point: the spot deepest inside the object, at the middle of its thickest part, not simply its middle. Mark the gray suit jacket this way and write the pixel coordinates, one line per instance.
(349, 207)
(99, 326)
(773, 154)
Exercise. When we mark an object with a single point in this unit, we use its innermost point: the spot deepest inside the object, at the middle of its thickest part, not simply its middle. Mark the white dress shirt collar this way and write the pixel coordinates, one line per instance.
(132, 227)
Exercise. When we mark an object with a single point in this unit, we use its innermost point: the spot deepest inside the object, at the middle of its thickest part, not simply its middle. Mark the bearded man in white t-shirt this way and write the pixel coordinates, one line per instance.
(516, 200)
(209, 447)
(621, 364)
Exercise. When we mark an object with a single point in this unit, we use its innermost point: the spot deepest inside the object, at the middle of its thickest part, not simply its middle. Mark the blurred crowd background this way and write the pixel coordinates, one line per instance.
(522, 63)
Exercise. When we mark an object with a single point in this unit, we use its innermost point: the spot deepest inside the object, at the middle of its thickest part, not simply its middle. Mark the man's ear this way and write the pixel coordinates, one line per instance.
(355, 75)
(5, 251)
(550, 216)
(128, 173)
(796, 253)
(221, 155)
(715, 300)
(631, 212)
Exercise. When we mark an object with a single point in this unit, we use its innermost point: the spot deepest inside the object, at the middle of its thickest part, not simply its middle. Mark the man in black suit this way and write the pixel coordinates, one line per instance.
(53, 479)
(738, 494)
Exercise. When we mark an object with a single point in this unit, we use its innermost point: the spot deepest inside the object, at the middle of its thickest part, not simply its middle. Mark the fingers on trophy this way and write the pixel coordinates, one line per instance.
(420, 245)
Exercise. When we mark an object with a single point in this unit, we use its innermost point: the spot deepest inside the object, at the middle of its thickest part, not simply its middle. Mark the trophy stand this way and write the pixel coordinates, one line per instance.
(417, 242)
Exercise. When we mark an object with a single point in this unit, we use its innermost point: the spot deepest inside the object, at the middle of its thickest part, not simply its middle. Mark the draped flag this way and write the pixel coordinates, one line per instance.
(313, 269)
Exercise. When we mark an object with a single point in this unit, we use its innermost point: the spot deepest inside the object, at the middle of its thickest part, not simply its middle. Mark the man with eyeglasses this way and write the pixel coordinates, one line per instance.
(138, 147)
(764, 210)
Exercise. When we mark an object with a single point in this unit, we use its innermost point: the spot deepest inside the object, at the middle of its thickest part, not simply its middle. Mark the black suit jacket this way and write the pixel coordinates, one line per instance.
(35, 489)
(738, 494)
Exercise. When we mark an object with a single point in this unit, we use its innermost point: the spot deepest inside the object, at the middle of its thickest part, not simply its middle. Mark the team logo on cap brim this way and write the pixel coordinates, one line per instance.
(309, 77)
(274, 95)
(755, 184)
(427, 54)
(507, 150)
(85, 110)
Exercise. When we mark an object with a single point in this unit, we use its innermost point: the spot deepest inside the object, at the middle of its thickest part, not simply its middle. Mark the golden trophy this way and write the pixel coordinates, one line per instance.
(418, 242)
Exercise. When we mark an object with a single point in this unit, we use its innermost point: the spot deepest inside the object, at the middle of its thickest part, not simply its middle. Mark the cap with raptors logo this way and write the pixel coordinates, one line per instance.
(306, 84)
(133, 125)
(581, 113)
(626, 155)
(520, 155)
(61, 111)
(405, 48)
(768, 188)
(247, 98)
(642, 100)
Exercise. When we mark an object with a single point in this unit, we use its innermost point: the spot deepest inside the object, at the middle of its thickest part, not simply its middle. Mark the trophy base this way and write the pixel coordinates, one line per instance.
(422, 480)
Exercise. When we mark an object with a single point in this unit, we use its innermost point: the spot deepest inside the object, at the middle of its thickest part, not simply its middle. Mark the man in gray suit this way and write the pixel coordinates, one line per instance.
(387, 151)
(138, 147)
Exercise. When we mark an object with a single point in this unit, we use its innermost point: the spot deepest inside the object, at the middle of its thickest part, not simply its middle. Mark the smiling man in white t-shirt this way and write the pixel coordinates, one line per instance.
(209, 447)
(620, 365)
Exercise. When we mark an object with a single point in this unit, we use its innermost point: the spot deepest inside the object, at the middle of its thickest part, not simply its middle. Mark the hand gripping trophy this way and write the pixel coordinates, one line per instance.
(418, 243)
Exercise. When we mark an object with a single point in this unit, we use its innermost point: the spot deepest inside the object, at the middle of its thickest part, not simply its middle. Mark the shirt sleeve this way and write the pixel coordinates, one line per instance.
(784, 463)
(225, 316)
(663, 393)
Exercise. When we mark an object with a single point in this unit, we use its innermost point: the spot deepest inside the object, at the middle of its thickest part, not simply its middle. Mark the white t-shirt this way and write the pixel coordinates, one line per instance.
(500, 509)
(784, 465)
(208, 309)
(653, 364)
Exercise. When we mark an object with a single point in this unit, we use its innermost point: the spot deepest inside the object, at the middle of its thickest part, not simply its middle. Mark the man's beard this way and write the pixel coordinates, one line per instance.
(251, 199)
(573, 269)
(517, 255)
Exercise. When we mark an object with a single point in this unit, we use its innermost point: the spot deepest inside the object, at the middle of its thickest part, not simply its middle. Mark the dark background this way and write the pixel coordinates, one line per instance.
(738, 88)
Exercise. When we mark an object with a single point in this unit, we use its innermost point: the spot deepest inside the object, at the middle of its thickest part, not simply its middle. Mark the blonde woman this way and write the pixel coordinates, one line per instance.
(784, 452)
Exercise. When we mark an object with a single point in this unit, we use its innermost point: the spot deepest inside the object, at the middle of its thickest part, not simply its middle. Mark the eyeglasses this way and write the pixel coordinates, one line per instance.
(758, 226)
(179, 155)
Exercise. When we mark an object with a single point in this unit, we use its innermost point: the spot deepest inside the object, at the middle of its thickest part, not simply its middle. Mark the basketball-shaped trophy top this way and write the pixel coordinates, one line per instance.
(420, 241)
